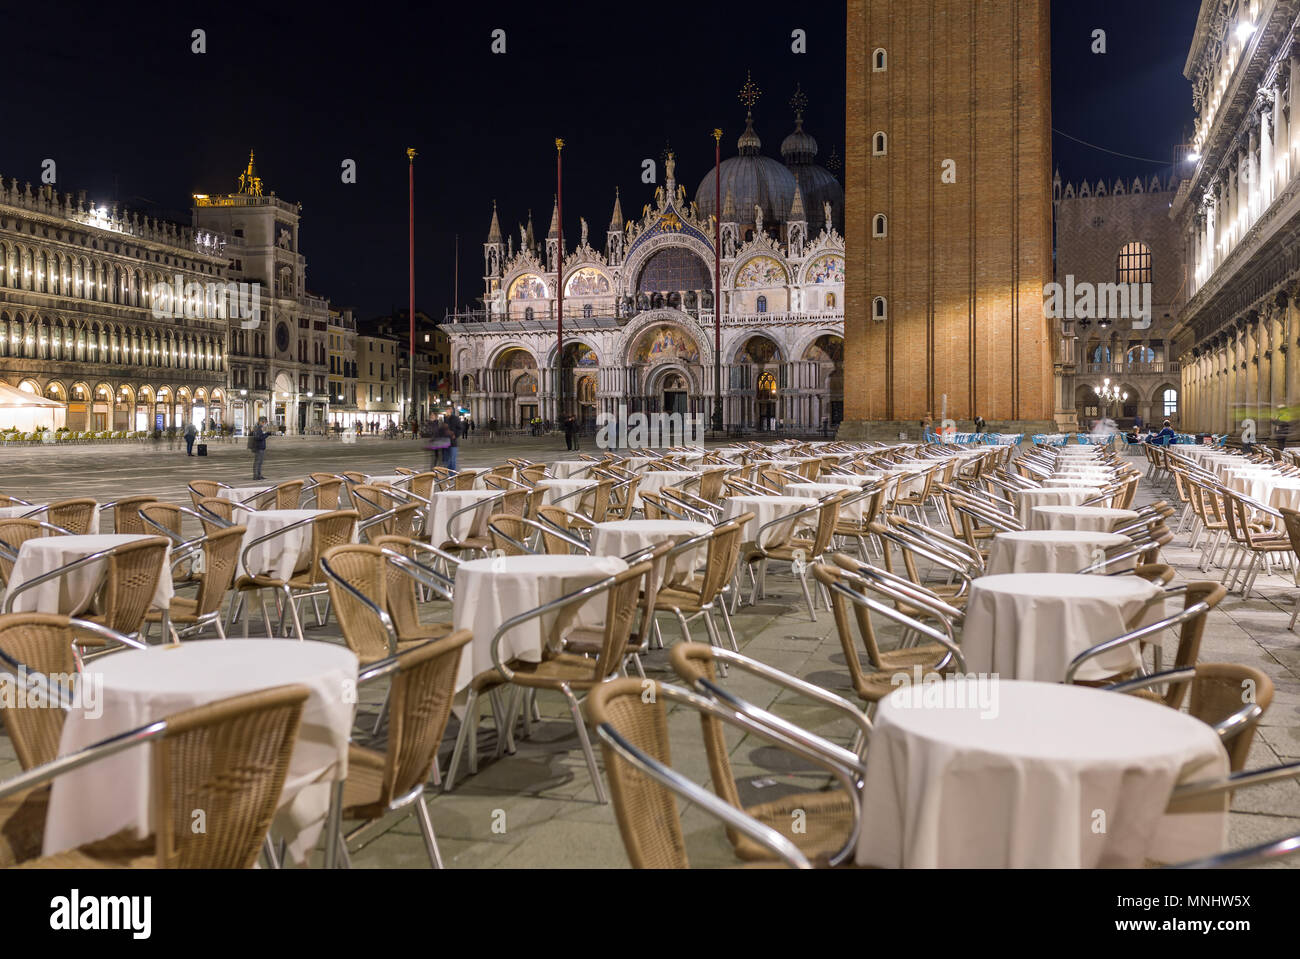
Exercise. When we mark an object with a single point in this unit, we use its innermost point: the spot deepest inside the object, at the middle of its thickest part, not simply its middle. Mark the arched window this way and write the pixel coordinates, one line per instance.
(1133, 265)
(586, 310)
(879, 308)
(880, 225)
(1101, 354)
(762, 304)
(879, 60)
(879, 144)
(528, 313)
(1169, 403)
(830, 301)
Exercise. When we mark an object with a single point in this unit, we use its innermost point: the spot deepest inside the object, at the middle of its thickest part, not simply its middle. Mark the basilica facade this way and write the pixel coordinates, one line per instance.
(639, 327)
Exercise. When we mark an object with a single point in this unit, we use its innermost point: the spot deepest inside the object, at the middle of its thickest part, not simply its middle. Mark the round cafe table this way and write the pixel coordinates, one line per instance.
(852, 512)
(1075, 482)
(653, 481)
(622, 537)
(281, 557)
(252, 496)
(1285, 493)
(1050, 551)
(140, 686)
(569, 469)
(765, 510)
(557, 488)
(490, 591)
(1003, 774)
(1031, 625)
(1027, 499)
(471, 523)
(1097, 519)
(71, 593)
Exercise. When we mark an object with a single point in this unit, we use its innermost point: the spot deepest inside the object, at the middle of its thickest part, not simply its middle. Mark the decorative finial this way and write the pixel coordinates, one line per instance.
(833, 161)
(799, 102)
(749, 93)
(410, 155)
(559, 144)
(717, 133)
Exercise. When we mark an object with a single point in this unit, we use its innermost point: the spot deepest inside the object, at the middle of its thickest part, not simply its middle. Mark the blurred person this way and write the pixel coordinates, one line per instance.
(191, 431)
(257, 444)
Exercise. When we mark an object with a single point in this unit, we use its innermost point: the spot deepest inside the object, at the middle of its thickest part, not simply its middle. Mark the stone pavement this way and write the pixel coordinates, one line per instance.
(537, 808)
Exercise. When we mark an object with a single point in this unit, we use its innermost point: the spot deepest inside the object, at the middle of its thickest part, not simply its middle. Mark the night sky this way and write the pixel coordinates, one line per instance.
(116, 97)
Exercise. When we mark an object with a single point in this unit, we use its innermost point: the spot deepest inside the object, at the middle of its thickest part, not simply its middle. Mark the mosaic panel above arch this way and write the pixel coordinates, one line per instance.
(826, 349)
(759, 273)
(825, 269)
(588, 281)
(759, 350)
(528, 286)
(665, 344)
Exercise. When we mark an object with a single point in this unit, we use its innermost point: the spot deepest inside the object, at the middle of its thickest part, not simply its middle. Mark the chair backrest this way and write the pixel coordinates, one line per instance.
(327, 492)
(220, 559)
(595, 501)
(130, 582)
(166, 515)
(711, 483)
(228, 758)
(43, 643)
(827, 517)
(1189, 637)
(288, 495)
(421, 484)
(692, 666)
(328, 530)
(74, 515)
(464, 480)
(651, 505)
(828, 576)
(369, 501)
(513, 502)
(363, 567)
(508, 532)
(13, 533)
(419, 707)
(202, 489)
(222, 507)
(620, 610)
(569, 522)
(126, 514)
(647, 814)
(1221, 689)
(720, 561)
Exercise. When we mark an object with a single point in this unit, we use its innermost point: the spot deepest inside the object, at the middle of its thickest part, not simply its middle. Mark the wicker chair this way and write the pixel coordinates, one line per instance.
(326, 491)
(634, 740)
(223, 509)
(126, 514)
(569, 523)
(566, 672)
(328, 530)
(43, 643)
(203, 489)
(874, 679)
(702, 594)
(127, 589)
(288, 495)
(75, 515)
(13, 533)
(229, 758)
(801, 551)
(220, 550)
(420, 698)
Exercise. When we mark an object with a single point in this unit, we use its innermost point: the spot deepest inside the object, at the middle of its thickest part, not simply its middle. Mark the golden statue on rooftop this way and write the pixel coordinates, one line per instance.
(250, 184)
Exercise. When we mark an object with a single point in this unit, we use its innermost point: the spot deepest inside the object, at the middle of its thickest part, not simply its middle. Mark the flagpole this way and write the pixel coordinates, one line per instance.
(559, 278)
(717, 280)
(410, 316)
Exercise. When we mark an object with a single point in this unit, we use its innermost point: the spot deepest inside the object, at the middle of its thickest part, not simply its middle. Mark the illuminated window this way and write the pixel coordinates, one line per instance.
(1169, 402)
(1133, 264)
(762, 304)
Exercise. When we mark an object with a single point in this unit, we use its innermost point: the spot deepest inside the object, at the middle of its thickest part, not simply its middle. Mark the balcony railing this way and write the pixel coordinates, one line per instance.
(1131, 369)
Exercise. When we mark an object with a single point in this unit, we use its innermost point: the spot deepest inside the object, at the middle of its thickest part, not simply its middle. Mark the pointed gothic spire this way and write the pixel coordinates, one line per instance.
(528, 232)
(555, 221)
(796, 207)
(728, 208)
(494, 231)
(616, 219)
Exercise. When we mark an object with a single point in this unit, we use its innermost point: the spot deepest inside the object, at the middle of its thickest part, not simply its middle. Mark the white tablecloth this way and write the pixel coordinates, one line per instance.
(1027, 499)
(567, 469)
(1285, 494)
(1050, 551)
(852, 512)
(559, 488)
(283, 556)
(469, 523)
(622, 537)
(1031, 625)
(71, 594)
(490, 591)
(1096, 519)
(653, 481)
(143, 686)
(1075, 482)
(1049, 776)
(18, 512)
(765, 510)
(245, 494)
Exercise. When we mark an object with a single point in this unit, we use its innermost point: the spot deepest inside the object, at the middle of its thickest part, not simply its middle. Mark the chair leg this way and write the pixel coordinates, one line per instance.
(293, 610)
(426, 830)
(581, 725)
(268, 850)
(807, 596)
(471, 708)
(726, 622)
(1295, 611)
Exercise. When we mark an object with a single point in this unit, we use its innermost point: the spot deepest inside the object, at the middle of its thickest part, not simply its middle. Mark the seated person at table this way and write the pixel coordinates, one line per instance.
(1164, 437)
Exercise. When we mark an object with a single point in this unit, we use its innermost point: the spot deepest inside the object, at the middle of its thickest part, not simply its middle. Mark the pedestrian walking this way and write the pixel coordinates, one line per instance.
(191, 431)
(492, 428)
(257, 444)
(453, 427)
(570, 433)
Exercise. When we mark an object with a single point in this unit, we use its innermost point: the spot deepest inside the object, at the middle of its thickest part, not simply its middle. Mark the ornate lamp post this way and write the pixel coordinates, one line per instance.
(1108, 395)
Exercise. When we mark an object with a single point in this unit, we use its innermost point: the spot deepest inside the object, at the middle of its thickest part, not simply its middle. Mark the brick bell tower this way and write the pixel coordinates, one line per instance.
(948, 215)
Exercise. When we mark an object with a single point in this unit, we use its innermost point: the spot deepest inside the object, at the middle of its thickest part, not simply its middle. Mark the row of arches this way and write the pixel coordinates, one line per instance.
(39, 270)
(41, 337)
(101, 405)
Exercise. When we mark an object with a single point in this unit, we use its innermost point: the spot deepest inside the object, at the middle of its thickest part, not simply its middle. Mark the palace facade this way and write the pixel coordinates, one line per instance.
(1239, 216)
(639, 315)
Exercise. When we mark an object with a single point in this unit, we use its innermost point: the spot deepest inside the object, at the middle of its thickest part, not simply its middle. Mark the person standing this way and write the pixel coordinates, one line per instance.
(570, 433)
(257, 443)
(453, 430)
(979, 423)
(492, 428)
(191, 431)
